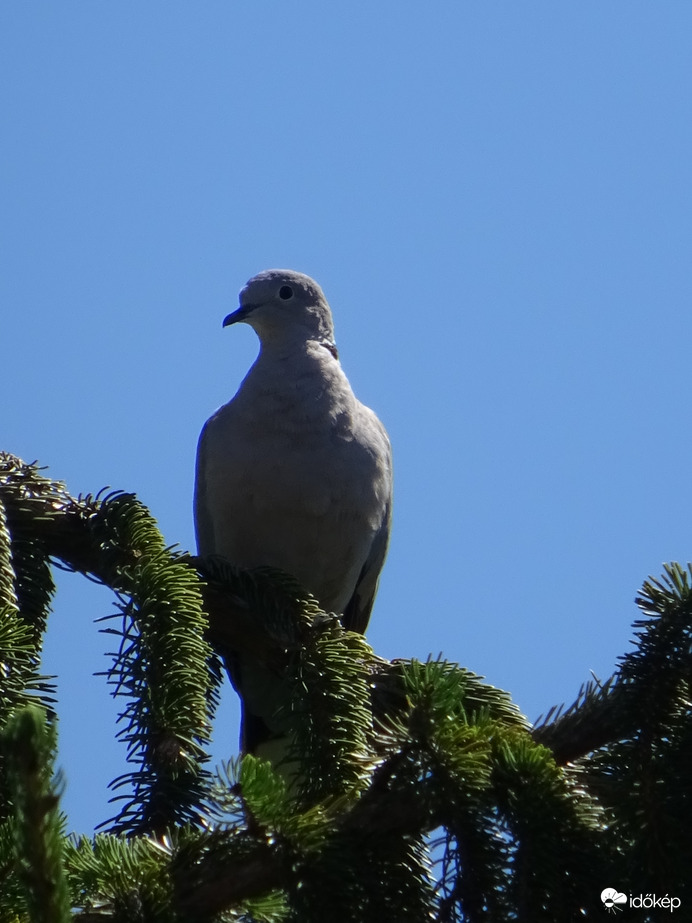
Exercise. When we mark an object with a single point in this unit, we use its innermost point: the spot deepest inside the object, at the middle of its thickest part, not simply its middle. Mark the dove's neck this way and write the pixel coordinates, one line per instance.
(298, 389)
(279, 339)
(294, 349)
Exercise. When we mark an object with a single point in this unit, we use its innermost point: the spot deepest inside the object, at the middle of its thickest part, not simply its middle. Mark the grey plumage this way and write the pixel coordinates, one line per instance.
(294, 472)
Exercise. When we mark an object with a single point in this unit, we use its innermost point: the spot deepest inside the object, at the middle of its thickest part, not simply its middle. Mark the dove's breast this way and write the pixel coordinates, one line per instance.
(298, 477)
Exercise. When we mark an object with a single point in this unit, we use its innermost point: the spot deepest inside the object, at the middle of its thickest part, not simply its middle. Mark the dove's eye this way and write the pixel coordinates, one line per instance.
(285, 292)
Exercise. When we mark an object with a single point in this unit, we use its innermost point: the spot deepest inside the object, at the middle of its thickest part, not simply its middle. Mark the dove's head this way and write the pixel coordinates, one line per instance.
(282, 307)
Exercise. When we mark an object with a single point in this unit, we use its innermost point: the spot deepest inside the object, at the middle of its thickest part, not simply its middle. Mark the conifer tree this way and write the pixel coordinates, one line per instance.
(411, 791)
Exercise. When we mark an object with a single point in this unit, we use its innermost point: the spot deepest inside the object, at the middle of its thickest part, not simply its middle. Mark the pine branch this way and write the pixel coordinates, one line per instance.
(218, 881)
(388, 752)
(453, 761)
(602, 713)
(645, 688)
(28, 745)
(164, 666)
(66, 527)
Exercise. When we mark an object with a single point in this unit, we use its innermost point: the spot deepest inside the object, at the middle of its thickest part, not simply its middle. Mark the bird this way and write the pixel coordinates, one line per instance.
(294, 473)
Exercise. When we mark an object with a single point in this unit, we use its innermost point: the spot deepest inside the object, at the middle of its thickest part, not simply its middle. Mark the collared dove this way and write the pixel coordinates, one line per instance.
(294, 473)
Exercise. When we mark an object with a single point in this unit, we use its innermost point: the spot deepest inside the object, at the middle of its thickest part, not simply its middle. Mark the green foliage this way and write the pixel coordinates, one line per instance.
(331, 719)
(642, 779)
(26, 577)
(26, 587)
(28, 744)
(12, 892)
(408, 791)
(120, 879)
(162, 667)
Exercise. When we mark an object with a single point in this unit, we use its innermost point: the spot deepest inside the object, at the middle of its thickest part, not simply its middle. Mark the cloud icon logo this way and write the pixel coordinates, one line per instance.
(611, 898)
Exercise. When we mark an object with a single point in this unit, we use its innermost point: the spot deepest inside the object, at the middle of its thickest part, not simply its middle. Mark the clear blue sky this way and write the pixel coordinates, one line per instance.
(496, 199)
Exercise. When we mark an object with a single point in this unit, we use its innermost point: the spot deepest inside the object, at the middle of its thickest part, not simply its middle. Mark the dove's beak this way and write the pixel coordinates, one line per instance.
(238, 316)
